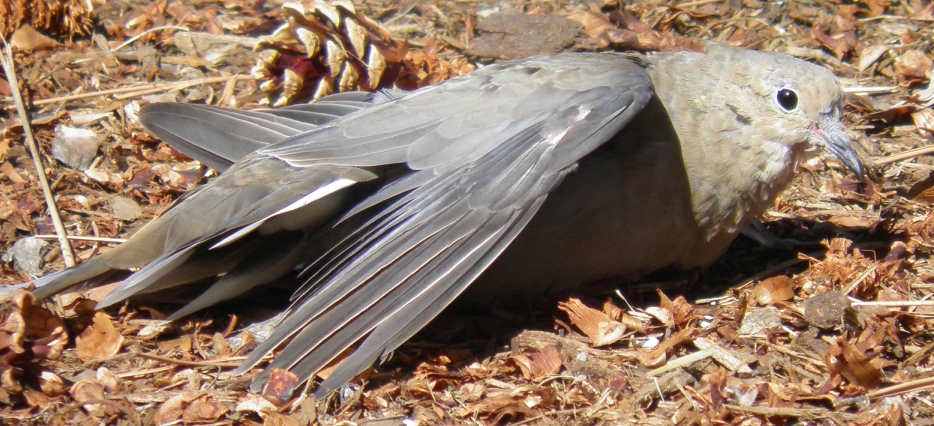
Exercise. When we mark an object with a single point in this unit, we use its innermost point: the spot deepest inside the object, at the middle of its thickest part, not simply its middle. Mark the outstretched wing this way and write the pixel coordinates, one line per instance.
(484, 151)
(177, 248)
(219, 137)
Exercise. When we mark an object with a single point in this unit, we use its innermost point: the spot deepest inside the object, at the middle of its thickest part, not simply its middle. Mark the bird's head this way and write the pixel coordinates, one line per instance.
(798, 104)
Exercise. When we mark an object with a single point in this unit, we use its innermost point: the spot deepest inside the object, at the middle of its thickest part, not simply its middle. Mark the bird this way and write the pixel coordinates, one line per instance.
(523, 178)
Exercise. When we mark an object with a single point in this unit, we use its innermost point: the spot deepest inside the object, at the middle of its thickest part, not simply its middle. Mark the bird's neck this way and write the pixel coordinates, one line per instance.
(736, 185)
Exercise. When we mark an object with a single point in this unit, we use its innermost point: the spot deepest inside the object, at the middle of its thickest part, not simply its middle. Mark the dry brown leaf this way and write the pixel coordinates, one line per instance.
(254, 403)
(88, 393)
(27, 39)
(511, 404)
(100, 340)
(110, 380)
(716, 382)
(892, 114)
(876, 7)
(538, 365)
(613, 311)
(595, 24)
(277, 419)
(35, 398)
(913, 65)
(850, 222)
(659, 354)
(775, 289)
(280, 385)
(51, 384)
(870, 55)
(13, 331)
(924, 121)
(204, 409)
(11, 173)
(617, 314)
(221, 347)
(182, 344)
(846, 361)
(598, 326)
(681, 311)
(173, 409)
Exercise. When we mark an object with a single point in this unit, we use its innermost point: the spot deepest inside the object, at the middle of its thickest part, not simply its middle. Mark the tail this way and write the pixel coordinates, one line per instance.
(89, 273)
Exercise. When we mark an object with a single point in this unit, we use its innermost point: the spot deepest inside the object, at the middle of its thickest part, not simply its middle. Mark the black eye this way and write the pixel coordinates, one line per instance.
(788, 99)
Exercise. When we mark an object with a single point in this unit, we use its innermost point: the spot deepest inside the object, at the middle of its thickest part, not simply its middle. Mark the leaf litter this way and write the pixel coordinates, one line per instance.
(831, 326)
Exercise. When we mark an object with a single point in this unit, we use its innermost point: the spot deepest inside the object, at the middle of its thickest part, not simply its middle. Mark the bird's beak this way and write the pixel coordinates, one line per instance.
(831, 135)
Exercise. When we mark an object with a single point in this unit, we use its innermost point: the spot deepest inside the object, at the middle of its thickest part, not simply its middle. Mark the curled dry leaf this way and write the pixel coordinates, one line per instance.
(659, 354)
(538, 365)
(51, 384)
(109, 379)
(682, 312)
(204, 409)
(35, 398)
(914, 66)
(870, 55)
(663, 316)
(189, 407)
(100, 340)
(924, 121)
(772, 290)
(598, 326)
(596, 25)
(254, 403)
(847, 362)
(633, 34)
(27, 39)
(10, 173)
(617, 314)
(510, 404)
(850, 222)
(88, 393)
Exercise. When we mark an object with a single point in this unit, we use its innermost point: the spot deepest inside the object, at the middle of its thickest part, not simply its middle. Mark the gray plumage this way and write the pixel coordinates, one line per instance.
(522, 178)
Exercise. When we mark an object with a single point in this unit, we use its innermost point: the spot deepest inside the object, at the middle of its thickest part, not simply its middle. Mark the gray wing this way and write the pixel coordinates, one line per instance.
(219, 137)
(175, 249)
(484, 150)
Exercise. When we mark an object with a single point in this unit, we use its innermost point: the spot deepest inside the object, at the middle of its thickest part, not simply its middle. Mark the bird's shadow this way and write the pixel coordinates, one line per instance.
(460, 337)
(463, 335)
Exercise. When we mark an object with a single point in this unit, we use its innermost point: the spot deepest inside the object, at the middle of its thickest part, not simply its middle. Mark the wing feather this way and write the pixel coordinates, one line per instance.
(471, 191)
(479, 155)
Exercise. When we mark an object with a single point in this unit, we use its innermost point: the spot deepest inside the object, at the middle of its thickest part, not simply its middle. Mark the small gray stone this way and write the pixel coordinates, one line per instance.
(518, 35)
(125, 208)
(757, 321)
(826, 310)
(27, 255)
(74, 147)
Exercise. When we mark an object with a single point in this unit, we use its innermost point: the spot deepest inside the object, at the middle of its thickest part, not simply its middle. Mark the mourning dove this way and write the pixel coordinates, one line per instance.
(520, 179)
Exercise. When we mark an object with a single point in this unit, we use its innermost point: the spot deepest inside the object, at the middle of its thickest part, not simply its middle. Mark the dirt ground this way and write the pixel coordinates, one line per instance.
(833, 324)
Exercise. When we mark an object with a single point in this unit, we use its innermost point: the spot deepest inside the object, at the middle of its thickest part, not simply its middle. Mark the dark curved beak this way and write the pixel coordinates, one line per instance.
(831, 135)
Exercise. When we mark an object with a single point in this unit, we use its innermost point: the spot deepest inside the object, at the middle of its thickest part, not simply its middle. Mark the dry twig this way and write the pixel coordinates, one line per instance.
(7, 61)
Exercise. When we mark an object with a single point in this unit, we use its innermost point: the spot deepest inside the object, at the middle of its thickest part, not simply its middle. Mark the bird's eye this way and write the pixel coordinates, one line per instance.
(787, 99)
